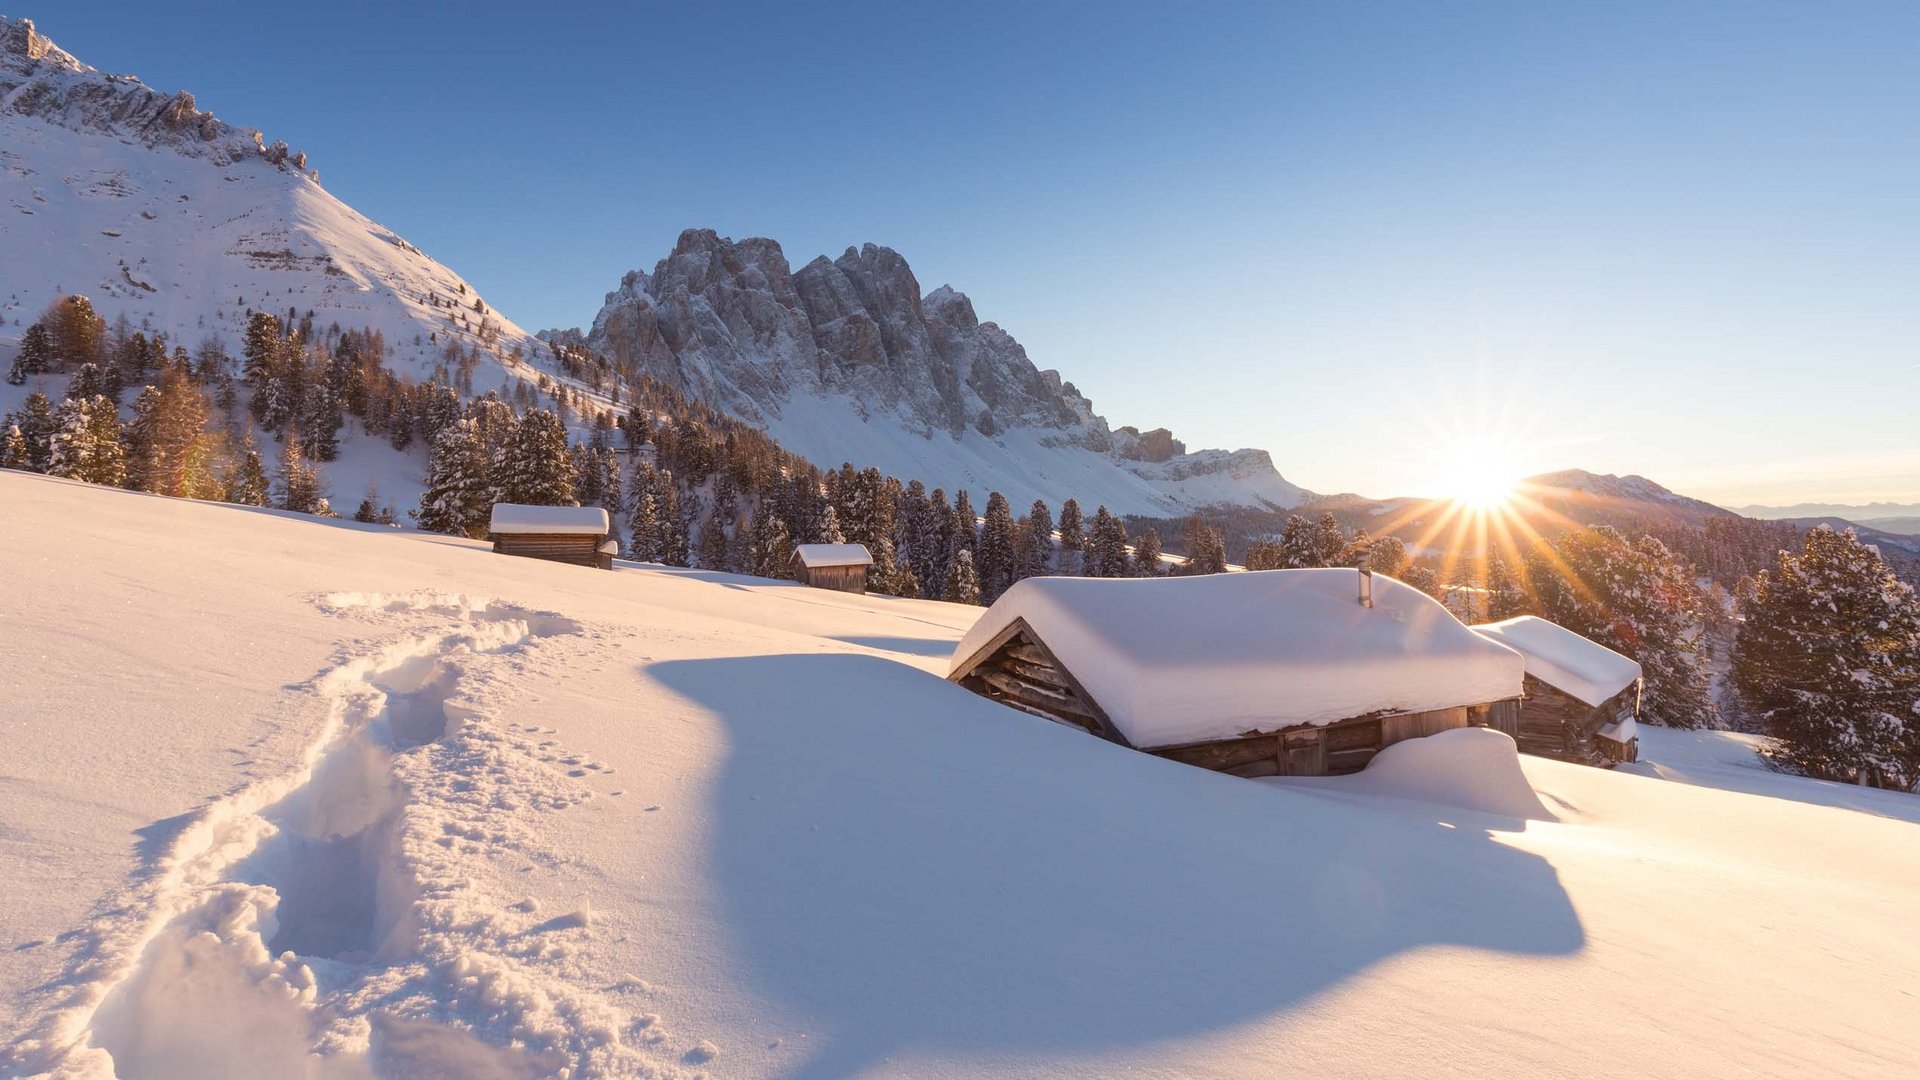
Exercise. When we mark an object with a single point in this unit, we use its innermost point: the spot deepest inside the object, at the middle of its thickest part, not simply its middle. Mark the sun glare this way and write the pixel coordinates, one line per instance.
(1481, 478)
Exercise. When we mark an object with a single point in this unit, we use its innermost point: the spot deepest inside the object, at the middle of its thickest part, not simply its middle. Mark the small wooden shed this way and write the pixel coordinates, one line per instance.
(841, 567)
(1271, 673)
(1582, 699)
(581, 535)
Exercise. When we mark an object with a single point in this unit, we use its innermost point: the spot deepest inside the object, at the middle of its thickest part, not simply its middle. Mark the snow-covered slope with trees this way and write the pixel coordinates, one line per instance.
(345, 802)
(182, 223)
(847, 360)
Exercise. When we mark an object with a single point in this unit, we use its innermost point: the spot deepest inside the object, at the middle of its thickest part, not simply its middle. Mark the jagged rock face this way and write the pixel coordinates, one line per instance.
(729, 323)
(40, 80)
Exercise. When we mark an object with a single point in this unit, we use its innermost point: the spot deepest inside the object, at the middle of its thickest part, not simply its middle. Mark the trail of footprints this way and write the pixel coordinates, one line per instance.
(327, 924)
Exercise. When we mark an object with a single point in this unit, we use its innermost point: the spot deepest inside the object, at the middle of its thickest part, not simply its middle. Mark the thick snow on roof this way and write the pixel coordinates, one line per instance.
(812, 556)
(518, 518)
(1179, 660)
(1561, 658)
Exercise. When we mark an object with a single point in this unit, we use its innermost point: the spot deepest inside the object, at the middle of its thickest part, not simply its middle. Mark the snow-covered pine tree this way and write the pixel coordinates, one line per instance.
(1639, 599)
(772, 544)
(535, 467)
(1146, 554)
(13, 446)
(297, 487)
(321, 419)
(35, 356)
(994, 561)
(1505, 596)
(1423, 577)
(678, 513)
(966, 533)
(829, 528)
(37, 425)
(962, 585)
(459, 496)
(1073, 537)
(1828, 661)
(937, 535)
(1206, 549)
(1106, 554)
(86, 442)
(246, 479)
(1040, 520)
(713, 542)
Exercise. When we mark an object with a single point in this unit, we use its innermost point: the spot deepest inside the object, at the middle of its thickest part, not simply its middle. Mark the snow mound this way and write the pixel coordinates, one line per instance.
(514, 518)
(1180, 660)
(1471, 768)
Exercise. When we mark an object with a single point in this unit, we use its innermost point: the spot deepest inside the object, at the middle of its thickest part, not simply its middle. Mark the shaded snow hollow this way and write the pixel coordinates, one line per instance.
(1187, 659)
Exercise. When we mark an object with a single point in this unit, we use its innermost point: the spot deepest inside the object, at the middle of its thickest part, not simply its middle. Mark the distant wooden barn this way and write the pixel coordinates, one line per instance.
(581, 535)
(1273, 673)
(1582, 699)
(841, 567)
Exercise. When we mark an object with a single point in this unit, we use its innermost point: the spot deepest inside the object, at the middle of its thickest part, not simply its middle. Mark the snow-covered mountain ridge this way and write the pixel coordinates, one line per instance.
(163, 213)
(847, 359)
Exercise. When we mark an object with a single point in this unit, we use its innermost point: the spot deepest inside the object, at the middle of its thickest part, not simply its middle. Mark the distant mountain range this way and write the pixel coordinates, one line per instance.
(1901, 518)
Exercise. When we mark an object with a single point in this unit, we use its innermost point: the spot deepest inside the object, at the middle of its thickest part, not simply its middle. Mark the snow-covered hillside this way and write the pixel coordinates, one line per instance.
(847, 360)
(162, 213)
(292, 798)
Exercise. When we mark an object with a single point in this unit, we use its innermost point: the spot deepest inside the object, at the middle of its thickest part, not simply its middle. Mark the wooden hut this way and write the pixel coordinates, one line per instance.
(581, 535)
(1582, 698)
(841, 567)
(1273, 673)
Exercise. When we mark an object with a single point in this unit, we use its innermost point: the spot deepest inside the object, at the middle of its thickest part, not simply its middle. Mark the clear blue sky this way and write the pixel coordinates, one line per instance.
(1675, 239)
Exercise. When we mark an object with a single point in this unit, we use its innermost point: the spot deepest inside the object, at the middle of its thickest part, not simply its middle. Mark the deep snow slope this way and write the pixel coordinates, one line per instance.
(847, 360)
(283, 797)
(158, 211)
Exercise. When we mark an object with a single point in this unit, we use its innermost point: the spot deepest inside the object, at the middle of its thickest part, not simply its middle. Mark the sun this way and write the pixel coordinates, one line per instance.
(1481, 477)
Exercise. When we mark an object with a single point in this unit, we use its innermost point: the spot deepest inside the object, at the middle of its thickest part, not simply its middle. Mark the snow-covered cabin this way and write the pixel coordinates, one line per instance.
(842, 567)
(1582, 698)
(582, 535)
(1276, 672)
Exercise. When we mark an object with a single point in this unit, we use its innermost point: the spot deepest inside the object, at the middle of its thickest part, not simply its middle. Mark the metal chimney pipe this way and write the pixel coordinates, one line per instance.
(1366, 582)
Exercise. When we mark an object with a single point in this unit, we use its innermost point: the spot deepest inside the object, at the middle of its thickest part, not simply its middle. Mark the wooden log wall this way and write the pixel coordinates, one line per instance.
(556, 547)
(851, 579)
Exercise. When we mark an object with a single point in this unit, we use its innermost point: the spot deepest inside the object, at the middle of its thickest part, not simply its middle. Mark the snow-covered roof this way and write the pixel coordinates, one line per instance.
(575, 520)
(814, 556)
(1191, 659)
(1557, 656)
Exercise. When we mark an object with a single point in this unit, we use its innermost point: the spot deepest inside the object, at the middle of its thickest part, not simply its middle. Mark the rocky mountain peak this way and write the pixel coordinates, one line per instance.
(39, 79)
(731, 324)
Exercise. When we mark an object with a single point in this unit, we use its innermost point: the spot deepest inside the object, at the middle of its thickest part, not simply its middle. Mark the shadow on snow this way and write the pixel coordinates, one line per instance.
(916, 867)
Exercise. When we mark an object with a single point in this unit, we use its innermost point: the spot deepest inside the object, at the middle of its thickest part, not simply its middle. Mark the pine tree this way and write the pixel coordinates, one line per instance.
(994, 560)
(1505, 597)
(772, 544)
(1146, 554)
(963, 585)
(321, 419)
(677, 550)
(298, 484)
(86, 443)
(713, 542)
(13, 446)
(1828, 660)
(535, 467)
(1206, 549)
(368, 512)
(1387, 555)
(965, 535)
(1073, 538)
(459, 496)
(1040, 520)
(246, 481)
(35, 356)
(1639, 599)
(1422, 577)
(829, 528)
(1106, 554)
(37, 425)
